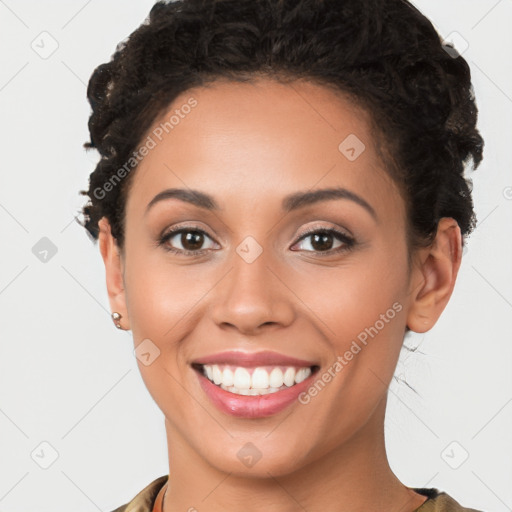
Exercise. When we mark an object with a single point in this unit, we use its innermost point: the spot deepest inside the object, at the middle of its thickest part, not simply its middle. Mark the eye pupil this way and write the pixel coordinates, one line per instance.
(192, 240)
(321, 241)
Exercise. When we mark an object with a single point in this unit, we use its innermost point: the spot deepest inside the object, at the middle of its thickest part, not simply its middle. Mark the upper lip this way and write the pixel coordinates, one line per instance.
(262, 358)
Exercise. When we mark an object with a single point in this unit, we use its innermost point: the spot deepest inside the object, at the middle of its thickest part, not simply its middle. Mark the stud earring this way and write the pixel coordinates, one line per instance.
(116, 317)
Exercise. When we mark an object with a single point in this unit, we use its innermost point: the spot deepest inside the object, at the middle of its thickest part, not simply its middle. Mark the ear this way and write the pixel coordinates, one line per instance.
(433, 276)
(114, 269)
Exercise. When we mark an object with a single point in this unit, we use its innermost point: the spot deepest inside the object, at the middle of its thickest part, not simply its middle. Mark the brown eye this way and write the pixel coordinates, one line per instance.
(187, 240)
(192, 240)
(325, 240)
(322, 241)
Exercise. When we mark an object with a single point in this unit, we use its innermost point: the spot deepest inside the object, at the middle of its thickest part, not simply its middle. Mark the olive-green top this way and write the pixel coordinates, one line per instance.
(437, 501)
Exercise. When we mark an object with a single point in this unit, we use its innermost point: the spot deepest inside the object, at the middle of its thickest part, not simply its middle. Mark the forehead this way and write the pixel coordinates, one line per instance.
(261, 139)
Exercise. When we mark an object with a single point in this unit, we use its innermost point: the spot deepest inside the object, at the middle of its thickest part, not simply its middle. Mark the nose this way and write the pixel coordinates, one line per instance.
(252, 297)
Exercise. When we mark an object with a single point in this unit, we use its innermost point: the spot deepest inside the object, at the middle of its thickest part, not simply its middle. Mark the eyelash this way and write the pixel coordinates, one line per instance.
(348, 241)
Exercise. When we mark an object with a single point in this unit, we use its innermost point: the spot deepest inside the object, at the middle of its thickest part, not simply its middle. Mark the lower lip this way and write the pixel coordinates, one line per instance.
(245, 406)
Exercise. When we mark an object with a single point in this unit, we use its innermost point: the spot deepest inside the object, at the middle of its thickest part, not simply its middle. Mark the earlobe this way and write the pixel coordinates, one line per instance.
(434, 275)
(113, 261)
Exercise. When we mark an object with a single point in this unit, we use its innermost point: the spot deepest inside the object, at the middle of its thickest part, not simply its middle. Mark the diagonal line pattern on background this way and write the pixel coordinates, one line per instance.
(14, 485)
(492, 286)
(76, 14)
(492, 81)
(491, 490)
(86, 290)
(14, 218)
(73, 220)
(73, 73)
(486, 14)
(13, 13)
(17, 426)
(486, 217)
(81, 491)
(112, 387)
(503, 407)
(13, 279)
(14, 76)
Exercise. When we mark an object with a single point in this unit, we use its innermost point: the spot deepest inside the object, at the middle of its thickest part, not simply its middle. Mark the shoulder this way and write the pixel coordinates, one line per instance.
(438, 501)
(145, 499)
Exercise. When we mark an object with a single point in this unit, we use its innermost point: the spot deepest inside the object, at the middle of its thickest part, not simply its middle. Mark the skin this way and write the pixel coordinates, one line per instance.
(249, 145)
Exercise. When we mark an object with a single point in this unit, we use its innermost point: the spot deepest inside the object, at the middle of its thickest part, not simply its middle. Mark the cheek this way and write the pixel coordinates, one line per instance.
(368, 291)
(164, 298)
(153, 299)
(364, 307)
(160, 300)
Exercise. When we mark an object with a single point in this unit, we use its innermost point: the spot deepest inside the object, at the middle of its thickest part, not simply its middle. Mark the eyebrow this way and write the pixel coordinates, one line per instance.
(195, 197)
(290, 203)
(301, 199)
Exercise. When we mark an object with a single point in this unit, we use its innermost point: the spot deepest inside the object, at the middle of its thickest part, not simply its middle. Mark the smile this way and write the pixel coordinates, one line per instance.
(255, 381)
(253, 385)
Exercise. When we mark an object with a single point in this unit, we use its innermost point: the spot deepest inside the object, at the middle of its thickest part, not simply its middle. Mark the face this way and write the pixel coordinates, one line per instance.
(256, 268)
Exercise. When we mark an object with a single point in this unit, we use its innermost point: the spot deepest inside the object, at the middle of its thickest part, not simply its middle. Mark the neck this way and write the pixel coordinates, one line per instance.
(353, 477)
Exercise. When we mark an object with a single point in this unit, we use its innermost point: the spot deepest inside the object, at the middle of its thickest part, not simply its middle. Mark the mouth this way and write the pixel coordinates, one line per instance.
(247, 381)
(253, 385)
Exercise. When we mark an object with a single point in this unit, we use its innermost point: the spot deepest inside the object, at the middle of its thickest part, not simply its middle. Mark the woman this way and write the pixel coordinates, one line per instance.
(280, 199)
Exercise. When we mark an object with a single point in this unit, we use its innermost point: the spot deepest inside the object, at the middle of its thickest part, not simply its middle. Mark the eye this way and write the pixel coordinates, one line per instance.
(187, 240)
(325, 240)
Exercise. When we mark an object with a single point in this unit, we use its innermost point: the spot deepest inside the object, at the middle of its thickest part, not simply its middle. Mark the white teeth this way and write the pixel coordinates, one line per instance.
(302, 374)
(239, 380)
(217, 375)
(242, 379)
(227, 377)
(250, 392)
(289, 376)
(276, 378)
(260, 378)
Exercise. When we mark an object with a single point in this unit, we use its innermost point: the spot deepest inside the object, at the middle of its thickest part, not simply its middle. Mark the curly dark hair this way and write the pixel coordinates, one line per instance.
(382, 53)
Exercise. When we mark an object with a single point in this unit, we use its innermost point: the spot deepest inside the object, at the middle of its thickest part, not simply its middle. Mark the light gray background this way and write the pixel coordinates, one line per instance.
(70, 379)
